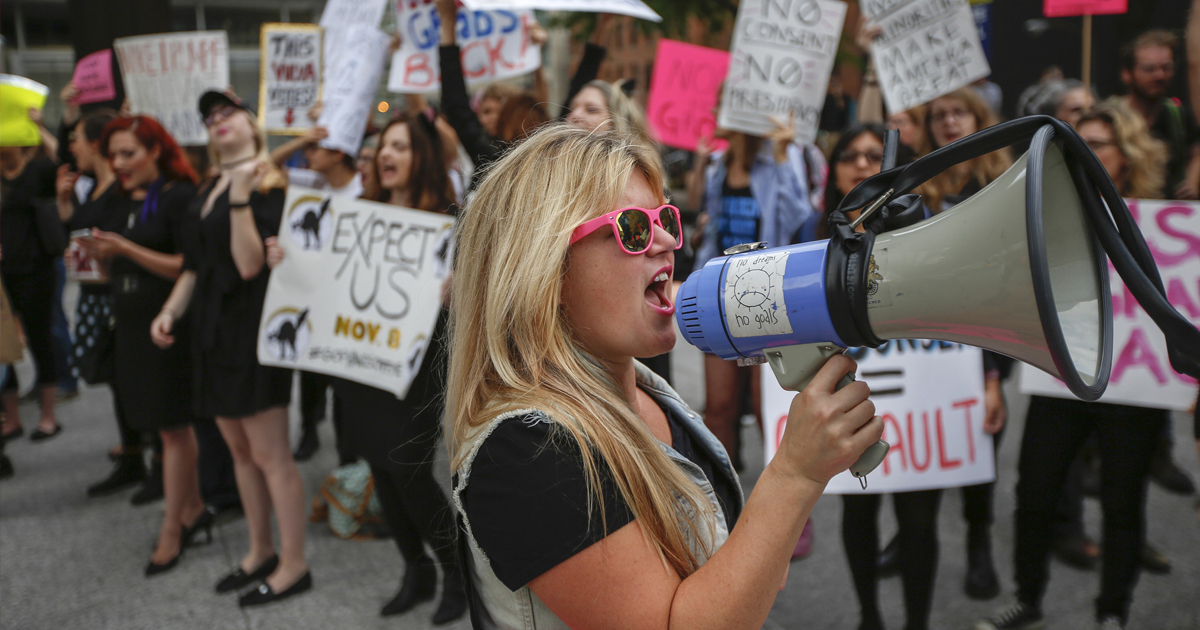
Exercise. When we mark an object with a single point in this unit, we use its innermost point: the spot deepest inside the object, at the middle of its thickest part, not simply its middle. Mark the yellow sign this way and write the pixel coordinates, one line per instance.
(17, 95)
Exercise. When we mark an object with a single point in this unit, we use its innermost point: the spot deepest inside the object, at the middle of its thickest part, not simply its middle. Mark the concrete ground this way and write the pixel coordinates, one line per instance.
(69, 562)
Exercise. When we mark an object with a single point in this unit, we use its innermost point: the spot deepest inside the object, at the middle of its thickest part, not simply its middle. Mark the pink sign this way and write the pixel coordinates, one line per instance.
(94, 79)
(684, 92)
(1068, 8)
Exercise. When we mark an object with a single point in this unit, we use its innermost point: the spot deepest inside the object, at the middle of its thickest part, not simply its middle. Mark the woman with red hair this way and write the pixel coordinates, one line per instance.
(145, 257)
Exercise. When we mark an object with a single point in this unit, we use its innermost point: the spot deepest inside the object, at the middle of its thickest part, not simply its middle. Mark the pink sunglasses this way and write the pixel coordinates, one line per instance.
(634, 227)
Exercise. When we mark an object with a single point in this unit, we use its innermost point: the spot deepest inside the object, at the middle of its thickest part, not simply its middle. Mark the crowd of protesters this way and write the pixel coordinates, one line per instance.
(560, 415)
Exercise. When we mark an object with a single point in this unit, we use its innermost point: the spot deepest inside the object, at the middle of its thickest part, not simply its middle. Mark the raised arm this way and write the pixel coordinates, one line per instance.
(589, 64)
(480, 147)
(245, 242)
(284, 151)
(621, 582)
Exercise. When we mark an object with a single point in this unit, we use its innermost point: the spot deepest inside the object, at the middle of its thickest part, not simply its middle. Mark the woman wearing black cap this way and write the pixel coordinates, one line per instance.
(226, 278)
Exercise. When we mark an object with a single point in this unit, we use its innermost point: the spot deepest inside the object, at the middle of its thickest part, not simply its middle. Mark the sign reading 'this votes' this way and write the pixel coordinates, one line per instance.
(359, 290)
(780, 61)
(291, 77)
(930, 396)
(928, 48)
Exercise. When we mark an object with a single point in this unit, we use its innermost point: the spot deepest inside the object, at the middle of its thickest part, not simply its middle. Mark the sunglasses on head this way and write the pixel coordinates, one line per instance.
(634, 227)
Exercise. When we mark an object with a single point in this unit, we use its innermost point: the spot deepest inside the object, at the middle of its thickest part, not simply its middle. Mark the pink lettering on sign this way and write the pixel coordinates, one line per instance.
(94, 78)
(684, 93)
(1068, 8)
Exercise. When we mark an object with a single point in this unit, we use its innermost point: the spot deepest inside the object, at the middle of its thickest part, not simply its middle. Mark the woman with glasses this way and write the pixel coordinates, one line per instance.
(590, 496)
(398, 437)
(1056, 428)
(225, 283)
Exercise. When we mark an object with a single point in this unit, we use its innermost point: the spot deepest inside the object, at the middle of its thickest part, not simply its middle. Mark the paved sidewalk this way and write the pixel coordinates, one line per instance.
(70, 562)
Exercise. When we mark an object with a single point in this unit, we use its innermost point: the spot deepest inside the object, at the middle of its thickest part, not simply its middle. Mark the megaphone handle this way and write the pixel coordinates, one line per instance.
(873, 456)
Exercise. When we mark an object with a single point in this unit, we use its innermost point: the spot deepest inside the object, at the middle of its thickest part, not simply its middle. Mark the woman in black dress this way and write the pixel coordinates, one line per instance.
(398, 437)
(145, 257)
(225, 278)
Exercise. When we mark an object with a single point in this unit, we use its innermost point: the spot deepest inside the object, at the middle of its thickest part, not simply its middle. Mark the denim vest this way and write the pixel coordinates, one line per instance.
(521, 609)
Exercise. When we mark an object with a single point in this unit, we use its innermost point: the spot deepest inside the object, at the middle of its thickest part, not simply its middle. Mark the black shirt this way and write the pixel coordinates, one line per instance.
(1178, 129)
(20, 240)
(527, 498)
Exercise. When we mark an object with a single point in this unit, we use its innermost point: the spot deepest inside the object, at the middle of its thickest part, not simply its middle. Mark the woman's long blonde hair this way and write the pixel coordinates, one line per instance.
(1145, 156)
(981, 170)
(511, 346)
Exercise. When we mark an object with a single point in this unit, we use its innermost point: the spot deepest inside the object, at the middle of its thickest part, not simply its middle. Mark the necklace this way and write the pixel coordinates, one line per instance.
(229, 165)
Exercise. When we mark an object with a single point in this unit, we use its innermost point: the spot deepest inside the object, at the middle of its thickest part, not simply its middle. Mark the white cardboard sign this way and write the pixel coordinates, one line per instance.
(165, 75)
(353, 79)
(290, 84)
(340, 15)
(492, 44)
(928, 48)
(930, 396)
(359, 289)
(635, 8)
(780, 60)
(1141, 372)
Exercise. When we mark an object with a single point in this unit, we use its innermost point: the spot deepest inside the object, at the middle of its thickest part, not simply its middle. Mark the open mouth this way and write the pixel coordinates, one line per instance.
(657, 294)
(387, 171)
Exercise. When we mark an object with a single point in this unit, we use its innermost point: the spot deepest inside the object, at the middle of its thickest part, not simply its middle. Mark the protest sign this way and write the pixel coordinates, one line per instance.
(684, 90)
(780, 61)
(359, 290)
(1141, 372)
(930, 396)
(635, 8)
(290, 81)
(165, 75)
(1068, 8)
(928, 48)
(93, 78)
(339, 15)
(492, 44)
(17, 95)
(354, 75)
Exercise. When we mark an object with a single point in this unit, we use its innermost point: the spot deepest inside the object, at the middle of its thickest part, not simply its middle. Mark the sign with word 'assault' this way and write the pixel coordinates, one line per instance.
(1141, 371)
(290, 84)
(928, 48)
(930, 396)
(492, 45)
(359, 290)
(779, 65)
(165, 75)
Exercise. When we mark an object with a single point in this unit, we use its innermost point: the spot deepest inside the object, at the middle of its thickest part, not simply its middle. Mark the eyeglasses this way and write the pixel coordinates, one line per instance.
(219, 115)
(942, 116)
(851, 157)
(1167, 68)
(634, 227)
(1096, 145)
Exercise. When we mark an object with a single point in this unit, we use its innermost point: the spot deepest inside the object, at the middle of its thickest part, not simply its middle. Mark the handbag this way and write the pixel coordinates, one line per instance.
(10, 341)
(347, 500)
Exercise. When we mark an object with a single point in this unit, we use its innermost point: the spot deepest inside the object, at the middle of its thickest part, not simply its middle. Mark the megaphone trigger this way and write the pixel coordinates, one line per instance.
(869, 460)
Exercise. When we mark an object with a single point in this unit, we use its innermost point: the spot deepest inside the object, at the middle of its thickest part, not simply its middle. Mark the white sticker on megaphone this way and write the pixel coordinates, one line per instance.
(754, 304)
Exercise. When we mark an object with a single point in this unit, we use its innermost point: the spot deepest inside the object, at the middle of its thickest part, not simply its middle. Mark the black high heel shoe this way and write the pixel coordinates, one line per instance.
(240, 578)
(153, 568)
(205, 522)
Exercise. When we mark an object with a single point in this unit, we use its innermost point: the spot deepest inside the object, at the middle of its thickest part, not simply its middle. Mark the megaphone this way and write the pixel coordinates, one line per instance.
(1019, 268)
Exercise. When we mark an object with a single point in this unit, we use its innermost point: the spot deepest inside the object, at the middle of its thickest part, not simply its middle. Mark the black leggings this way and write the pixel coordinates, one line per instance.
(917, 514)
(32, 299)
(398, 441)
(1055, 430)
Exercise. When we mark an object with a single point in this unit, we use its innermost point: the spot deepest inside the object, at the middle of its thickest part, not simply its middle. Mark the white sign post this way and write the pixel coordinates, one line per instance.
(359, 290)
(930, 396)
(290, 82)
(493, 45)
(928, 48)
(1141, 371)
(635, 8)
(165, 75)
(780, 61)
(349, 93)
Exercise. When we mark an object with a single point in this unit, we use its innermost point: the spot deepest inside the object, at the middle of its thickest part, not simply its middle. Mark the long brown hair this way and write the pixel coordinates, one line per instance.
(981, 170)
(428, 181)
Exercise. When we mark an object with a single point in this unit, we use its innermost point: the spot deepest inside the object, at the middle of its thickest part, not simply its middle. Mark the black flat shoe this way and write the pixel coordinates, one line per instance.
(419, 585)
(154, 569)
(39, 435)
(239, 578)
(13, 434)
(264, 594)
(128, 471)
